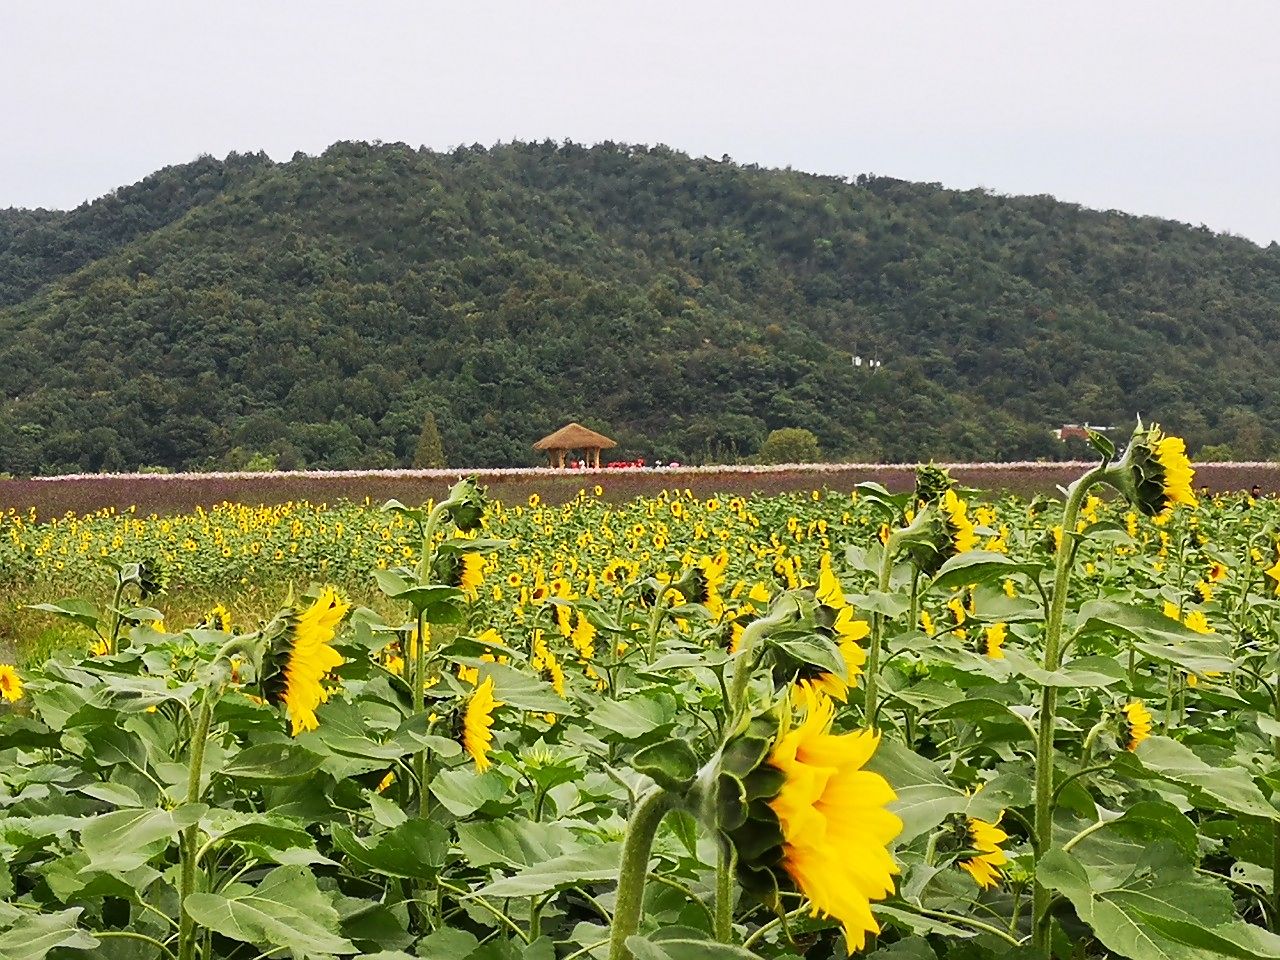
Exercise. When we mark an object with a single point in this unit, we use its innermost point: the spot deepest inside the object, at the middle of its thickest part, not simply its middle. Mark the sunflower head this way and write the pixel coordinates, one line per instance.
(991, 642)
(1136, 722)
(1155, 473)
(299, 657)
(219, 618)
(10, 683)
(477, 724)
(987, 863)
(803, 814)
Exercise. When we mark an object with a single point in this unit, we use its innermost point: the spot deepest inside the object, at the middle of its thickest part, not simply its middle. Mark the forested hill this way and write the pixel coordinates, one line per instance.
(316, 311)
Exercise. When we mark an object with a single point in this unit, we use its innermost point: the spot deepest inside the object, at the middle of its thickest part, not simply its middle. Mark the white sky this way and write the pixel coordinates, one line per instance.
(1169, 108)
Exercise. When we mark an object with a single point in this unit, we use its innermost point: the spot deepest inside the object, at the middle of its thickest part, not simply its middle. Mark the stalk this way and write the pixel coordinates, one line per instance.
(877, 636)
(724, 893)
(1275, 832)
(191, 835)
(425, 563)
(1049, 698)
(636, 849)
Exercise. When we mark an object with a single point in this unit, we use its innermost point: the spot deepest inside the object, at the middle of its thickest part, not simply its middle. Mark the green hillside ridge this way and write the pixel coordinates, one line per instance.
(316, 311)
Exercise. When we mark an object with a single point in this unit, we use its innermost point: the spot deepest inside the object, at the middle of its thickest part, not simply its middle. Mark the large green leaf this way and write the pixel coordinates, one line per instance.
(279, 761)
(514, 842)
(588, 865)
(645, 948)
(1158, 917)
(414, 850)
(1211, 786)
(926, 796)
(980, 566)
(285, 910)
(126, 839)
(1157, 636)
(635, 717)
(33, 935)
(519, 688)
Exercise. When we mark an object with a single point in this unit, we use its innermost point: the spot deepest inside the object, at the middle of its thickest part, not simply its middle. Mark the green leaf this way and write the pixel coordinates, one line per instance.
(925, 794)
(635, 717)
(281, 761)
(81, 611)
(1230, 788)
(644, 948)
(512, 842)
(671, 764)
(980, 566)
(463, 791)
(1085, 672)
(1158, 636)
(33, 935)
(286, 910)
(414, 850)
(1177, 917)
(518, 688)
(589, 865)
(126, 839)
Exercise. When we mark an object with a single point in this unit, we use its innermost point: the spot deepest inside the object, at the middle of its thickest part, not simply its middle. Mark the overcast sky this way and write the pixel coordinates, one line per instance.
(1169, 108)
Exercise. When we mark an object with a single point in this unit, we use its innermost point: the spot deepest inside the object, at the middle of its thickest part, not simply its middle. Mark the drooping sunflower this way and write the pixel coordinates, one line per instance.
(804, 815)
(219, 618)
(985, 868)
(10, 683)
(960, 529)
(993, 641)
(304, 648)
(1137, 724)
(477, 724)
(1155, 473)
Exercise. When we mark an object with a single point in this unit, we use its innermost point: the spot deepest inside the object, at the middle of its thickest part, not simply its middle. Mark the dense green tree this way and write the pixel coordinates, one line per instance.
(429, 454)
(790, 445)
(311, 310)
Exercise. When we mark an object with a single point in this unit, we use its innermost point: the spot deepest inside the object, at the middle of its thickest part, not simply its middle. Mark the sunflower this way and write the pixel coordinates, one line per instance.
(477, 721)
(959, 527)
(1217, 572)
(1155, 473)
(472, 574)
(219, 618)
(309, 658)
(803, 814)
(993, 641)
(1274, 574)
(10, 683)
(985, 867)
(833, 685)
(1137, 724)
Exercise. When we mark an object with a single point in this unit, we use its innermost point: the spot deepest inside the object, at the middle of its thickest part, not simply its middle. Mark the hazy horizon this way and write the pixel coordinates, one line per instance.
(1158, 109)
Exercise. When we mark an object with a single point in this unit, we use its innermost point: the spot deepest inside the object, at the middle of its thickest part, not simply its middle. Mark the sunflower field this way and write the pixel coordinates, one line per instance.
(910, 726)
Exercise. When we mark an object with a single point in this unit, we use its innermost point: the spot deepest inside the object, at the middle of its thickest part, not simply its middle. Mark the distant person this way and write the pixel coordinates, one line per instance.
(1256, 492)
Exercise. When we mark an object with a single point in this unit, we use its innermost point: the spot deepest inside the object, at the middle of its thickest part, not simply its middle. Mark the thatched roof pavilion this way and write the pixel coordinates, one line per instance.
(574, 437)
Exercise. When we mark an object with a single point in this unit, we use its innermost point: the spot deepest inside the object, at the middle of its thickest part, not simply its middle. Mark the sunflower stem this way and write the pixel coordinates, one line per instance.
(877, 636)
(1049, 697)
(190, 844)
(724, 893)
(1275, 840)
(425, 565)
(636, 848)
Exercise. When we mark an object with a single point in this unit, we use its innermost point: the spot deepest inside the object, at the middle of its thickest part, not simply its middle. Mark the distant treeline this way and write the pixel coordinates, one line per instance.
(318, 313)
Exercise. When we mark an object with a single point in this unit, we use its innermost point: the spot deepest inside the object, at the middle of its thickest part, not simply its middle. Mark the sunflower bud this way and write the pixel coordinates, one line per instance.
(466, 504)
(932, 482)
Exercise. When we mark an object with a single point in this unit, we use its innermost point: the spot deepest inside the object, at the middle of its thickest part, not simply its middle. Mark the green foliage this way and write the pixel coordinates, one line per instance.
(790, 445)
(307, 310)
(430, 452)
